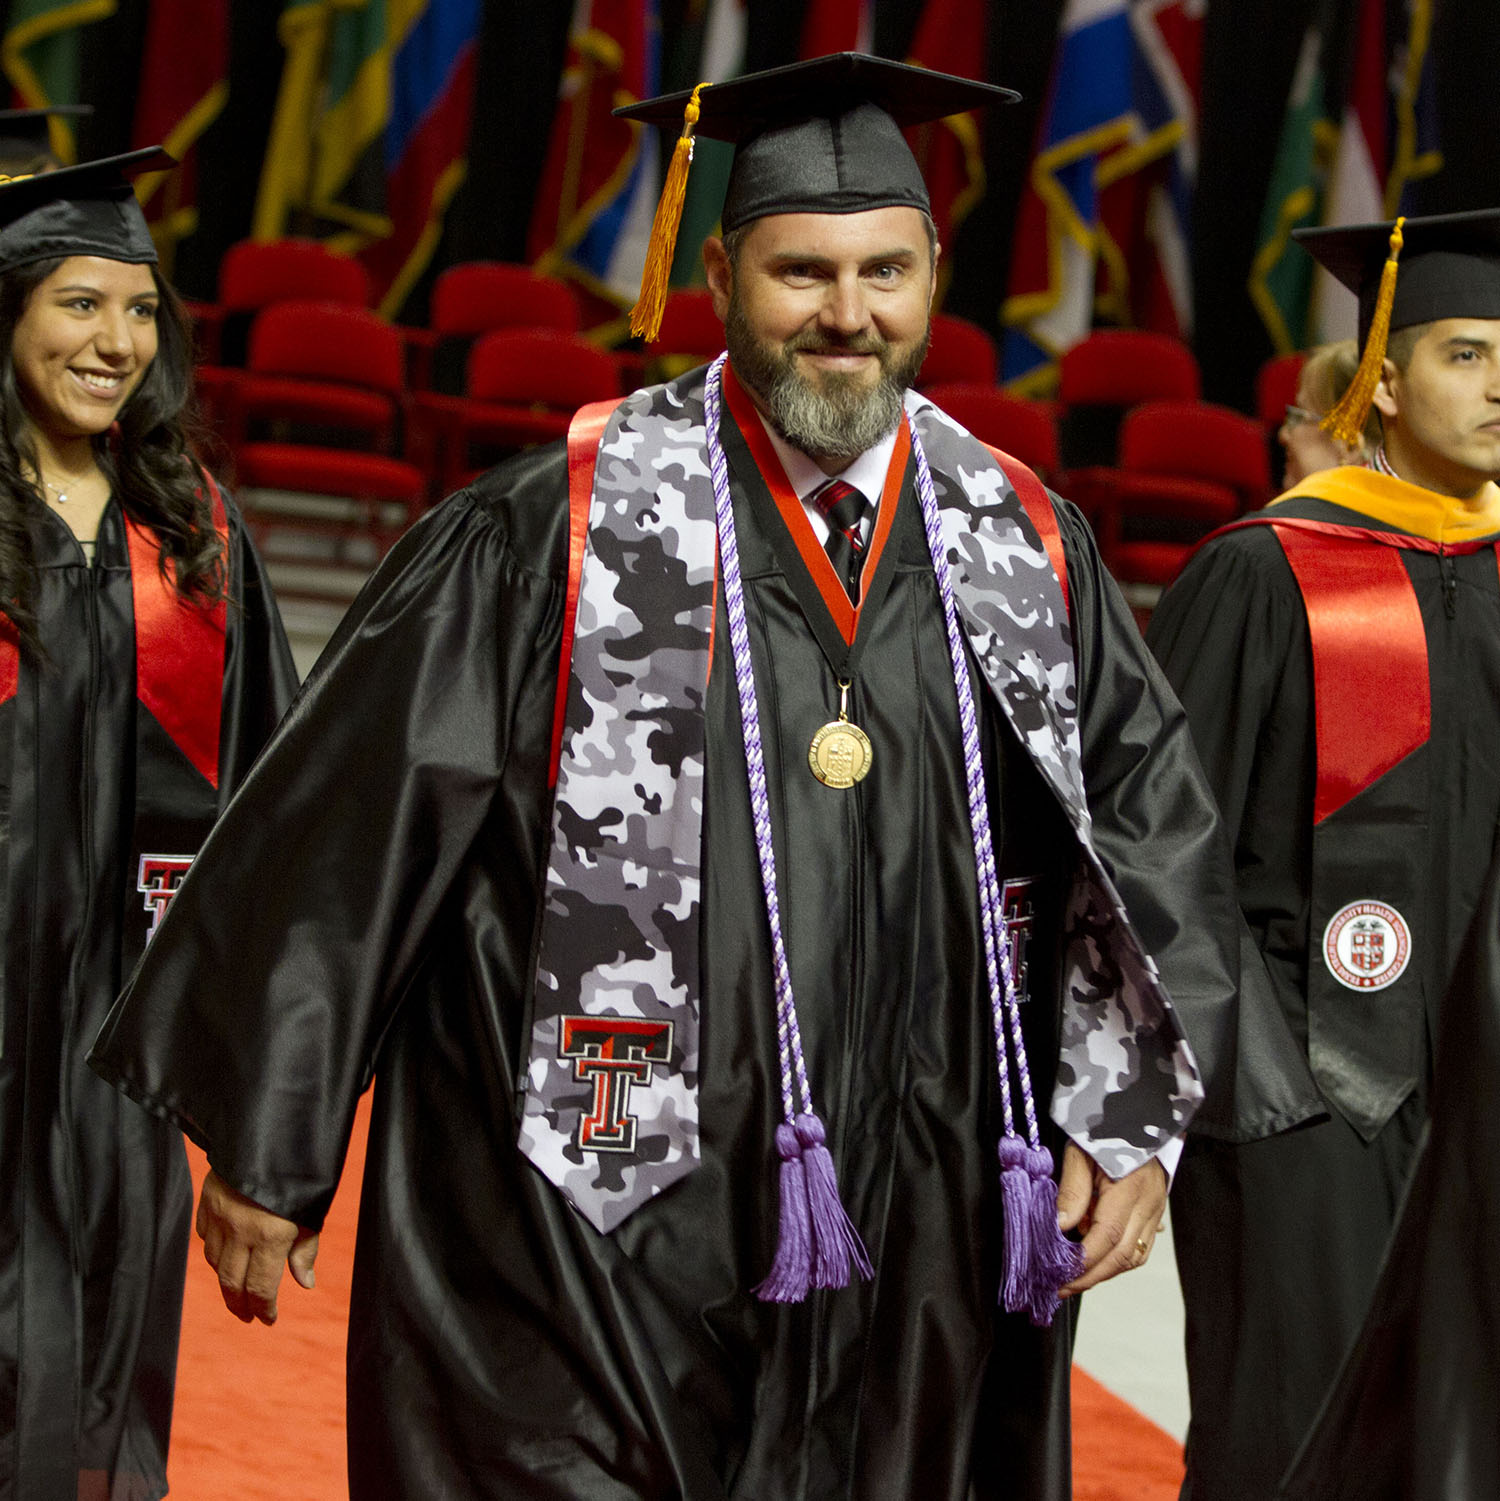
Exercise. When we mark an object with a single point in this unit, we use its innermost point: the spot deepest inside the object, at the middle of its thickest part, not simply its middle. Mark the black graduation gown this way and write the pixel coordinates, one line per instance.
(388, 868)
(1415, 1412)
(97, 1197)
(1279, 1242)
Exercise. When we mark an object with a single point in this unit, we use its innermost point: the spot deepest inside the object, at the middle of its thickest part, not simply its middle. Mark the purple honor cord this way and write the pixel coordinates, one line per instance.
(818, 1245)
(1039, 1259)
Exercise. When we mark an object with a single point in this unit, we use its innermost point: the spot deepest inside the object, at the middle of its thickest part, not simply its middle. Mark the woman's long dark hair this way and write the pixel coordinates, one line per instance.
(145, 458)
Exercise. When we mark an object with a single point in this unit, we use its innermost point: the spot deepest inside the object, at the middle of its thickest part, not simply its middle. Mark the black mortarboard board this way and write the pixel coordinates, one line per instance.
(24, 133)
(1405, 272)
(822, 136)
(1449, 266)
(89, 209)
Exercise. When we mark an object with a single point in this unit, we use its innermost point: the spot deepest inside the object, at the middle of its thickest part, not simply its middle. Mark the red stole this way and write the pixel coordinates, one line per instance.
(179, 650)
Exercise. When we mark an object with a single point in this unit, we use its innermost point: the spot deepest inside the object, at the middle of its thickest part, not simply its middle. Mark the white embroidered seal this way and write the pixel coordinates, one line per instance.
(1366, 945)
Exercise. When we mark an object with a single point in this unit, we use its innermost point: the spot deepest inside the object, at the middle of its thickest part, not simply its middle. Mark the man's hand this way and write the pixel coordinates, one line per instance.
(1119, 1219)
(247, 1246)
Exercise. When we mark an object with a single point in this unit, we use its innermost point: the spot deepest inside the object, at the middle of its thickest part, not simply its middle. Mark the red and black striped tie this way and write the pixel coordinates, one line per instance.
(843, 507)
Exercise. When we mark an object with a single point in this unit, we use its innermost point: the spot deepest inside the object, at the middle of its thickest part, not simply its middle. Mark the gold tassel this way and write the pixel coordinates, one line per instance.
(645, 316)
(1346, 421)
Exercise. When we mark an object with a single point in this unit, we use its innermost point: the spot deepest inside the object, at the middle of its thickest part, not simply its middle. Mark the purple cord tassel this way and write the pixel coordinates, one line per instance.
(1039, 1258)
(836, 1243)
(1015, 1197)
(791, 1272)
(816, 1243)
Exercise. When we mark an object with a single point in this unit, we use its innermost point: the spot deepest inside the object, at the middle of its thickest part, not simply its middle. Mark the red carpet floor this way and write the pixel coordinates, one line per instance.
(260, 1412)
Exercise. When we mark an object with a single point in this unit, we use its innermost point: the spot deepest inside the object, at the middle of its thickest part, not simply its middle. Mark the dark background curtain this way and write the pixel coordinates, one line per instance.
(1250, 48)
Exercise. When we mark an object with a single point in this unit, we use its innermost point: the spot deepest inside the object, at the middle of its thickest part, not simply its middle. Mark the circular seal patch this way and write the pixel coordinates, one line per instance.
(1366, 945)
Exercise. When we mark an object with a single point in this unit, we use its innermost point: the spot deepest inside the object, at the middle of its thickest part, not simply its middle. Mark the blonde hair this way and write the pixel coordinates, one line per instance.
(1327, 375)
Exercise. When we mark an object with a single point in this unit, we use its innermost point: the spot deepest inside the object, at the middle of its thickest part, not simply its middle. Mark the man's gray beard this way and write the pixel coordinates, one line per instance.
(842, 419)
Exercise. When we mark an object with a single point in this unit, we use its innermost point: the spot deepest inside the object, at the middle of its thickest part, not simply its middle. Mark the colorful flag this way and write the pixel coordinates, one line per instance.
(1281, 275)
(950, 38)
(39, 53)
(591, 221)
(426, 141)
(182, 91)
(1147, 192)
(1091, 236)
(1415, 154)
(371, 126)
(721, 57)
(837, 26)
(1353, 171)
(321, 175)
(1356, 185)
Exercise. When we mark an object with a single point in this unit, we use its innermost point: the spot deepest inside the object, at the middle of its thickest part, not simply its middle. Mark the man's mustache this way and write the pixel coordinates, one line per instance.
(832, 344)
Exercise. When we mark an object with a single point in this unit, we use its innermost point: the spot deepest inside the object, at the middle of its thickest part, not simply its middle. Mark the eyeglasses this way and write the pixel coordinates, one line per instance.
(1299, 416)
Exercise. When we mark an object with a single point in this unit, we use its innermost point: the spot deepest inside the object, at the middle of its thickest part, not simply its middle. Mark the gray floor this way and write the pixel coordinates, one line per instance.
(1130, 1338)
(1130, 1333)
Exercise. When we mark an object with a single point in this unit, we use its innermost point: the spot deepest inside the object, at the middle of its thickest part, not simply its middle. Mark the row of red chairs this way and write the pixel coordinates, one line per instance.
(474, 298)
(321, 406)
(332, 372)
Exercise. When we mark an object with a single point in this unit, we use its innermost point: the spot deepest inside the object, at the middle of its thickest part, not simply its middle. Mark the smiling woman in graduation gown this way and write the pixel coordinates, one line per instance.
(128, 713)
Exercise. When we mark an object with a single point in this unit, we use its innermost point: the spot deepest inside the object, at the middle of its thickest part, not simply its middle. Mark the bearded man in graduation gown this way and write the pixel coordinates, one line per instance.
(1339, 659)
(697, 1076)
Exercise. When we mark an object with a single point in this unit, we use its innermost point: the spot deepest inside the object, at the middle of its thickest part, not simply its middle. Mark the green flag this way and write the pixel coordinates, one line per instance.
(1281, 276)
(720, 58)
(39, 53)
(324, 171)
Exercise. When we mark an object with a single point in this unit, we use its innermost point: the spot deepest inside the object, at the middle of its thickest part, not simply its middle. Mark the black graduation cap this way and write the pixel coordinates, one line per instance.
(24, 136)
(1405, 272)
(1449, 265)
(89, 209)
(822, 136)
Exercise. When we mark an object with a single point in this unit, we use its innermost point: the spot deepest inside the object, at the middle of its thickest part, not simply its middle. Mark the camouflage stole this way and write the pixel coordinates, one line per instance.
(610, 1109)
(1119, 1031)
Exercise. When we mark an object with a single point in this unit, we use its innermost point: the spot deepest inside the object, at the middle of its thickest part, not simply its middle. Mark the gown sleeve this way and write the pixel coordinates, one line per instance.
(1159, 833)
(260, 677)
(255, 1017)
(1231, 636)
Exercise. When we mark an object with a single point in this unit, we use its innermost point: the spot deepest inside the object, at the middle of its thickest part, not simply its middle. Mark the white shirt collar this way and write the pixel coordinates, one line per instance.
(866, 473)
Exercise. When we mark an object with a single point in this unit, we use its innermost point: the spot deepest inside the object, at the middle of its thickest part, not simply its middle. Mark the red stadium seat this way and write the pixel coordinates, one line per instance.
(958, 351)
(320, 410)
(478, 296)
(1276, 387)
(474, 298)
(1185, 468)
(1026, 429)
(523, 387)
(1124, 367)
(254, 274)
(1104, 375)
(1201, 440)
(691, 334)
(1275, 390)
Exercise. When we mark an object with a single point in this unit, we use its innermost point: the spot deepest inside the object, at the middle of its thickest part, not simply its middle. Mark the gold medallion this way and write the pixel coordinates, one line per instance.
(840, 753)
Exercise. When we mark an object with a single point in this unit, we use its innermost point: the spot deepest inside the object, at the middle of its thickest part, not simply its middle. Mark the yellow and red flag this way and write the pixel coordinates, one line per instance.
(182, 91)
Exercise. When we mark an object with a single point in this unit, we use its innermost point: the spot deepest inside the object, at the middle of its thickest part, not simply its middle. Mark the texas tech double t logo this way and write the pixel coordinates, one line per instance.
(612, 1053)
(159, 878)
